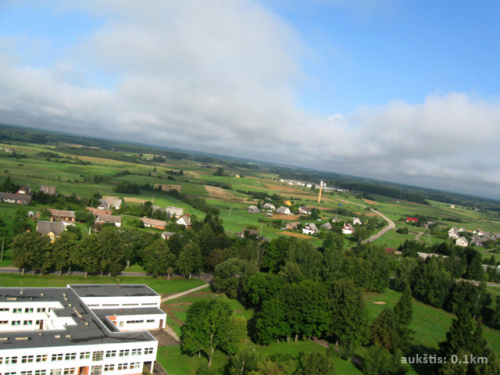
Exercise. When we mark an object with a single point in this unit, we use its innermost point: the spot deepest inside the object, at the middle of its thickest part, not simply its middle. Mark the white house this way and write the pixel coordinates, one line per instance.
(310, 229)
(478, 232)
(177, 211)
(347, 229)
(80, 329)
(284, 211)
(305, 210)
(356, 221)
(110, 202)
(116, 220)
(253, 209)
(462, 241)
(453, 233)
(268, 206)
(184, 220)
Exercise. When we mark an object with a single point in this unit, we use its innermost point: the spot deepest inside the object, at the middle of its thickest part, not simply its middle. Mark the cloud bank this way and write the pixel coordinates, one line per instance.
(222, 76)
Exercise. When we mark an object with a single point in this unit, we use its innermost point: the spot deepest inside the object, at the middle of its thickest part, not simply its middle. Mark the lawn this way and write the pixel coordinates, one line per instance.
(160, 285)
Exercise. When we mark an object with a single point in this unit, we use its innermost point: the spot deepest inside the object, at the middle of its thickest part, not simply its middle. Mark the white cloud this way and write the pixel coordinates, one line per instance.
(220, 76)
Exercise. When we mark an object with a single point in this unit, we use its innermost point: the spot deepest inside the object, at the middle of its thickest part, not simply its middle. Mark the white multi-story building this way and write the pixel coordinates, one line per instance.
(79, 330)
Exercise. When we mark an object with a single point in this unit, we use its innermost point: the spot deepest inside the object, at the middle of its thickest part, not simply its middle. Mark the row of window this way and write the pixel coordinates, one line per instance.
(18, 322)
(125, 304)
(123, 366)
(66, 371)
(96, 356)
(27, 310)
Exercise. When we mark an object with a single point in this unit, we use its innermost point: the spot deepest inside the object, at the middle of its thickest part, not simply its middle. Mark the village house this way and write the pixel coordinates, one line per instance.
(171, 211)
(269, 206)
(310, 229)
(462, 241)
(461, 230)
(184, 220)
(96, 212)
(327, 226)
(15, 198)
(411, 220)
(348, 229)
(478, 232)
(247, 232)
(66, 217)
(167, 235)
(25, 190)
(52, 229)
(336, 219)
(305, 211)
(117, 220)
(50, 190)
(292, 225)
(253, 210)
(356, 221)
(284, 211)
(453, 234)
(109, 203)
(148, 223)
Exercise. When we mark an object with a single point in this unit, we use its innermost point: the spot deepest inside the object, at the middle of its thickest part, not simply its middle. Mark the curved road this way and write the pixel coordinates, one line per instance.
(384, 230)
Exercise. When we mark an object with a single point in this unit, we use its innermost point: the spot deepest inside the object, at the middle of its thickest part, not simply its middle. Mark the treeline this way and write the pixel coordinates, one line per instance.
(97, 153)
(433, 281)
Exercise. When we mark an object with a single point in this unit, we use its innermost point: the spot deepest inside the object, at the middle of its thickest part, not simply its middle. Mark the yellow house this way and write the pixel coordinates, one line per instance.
(52, 229)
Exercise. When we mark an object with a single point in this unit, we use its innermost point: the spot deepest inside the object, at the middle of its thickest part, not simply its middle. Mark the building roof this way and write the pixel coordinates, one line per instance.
(109, 219)
(45, 227)
(63, 213)
(112, 290)
(48, 189)
(97, 211)
(15, 196)
(153, 222)
(86, 327)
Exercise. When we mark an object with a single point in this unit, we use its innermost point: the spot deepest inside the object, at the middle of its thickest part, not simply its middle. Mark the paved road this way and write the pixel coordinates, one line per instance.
(384, 230)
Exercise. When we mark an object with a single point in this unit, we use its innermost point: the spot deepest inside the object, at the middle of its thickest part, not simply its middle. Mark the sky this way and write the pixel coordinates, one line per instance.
(398, 90)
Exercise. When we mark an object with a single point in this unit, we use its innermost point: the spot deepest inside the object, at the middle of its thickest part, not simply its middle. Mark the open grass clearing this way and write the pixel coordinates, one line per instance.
(160, 284)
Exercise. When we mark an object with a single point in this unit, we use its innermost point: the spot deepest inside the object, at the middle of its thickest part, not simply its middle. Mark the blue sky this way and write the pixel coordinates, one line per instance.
(405, 91)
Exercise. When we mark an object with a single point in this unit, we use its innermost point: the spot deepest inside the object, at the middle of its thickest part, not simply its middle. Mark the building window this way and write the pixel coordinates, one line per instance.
(4, 322)
(28, 310)
(41, 358)
(26, 372)
(122, 366)
(85, 355)
(2, 309)
(98, 356)
(110, 353)
(70, 356)
(134, 365)
(57, 357)
(26, 359)
(136, 351)
(96, 370)
(56, 371)
(109, 368)
(10, 360)
(40, 372)
(124, 352)
(17, 310)
(69, 371)
(41, 309)
(28, 323)
(150, 321)
(148, 351)
(16, 323)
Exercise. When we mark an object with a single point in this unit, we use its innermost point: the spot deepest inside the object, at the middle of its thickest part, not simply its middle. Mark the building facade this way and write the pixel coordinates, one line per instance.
(79, 330)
